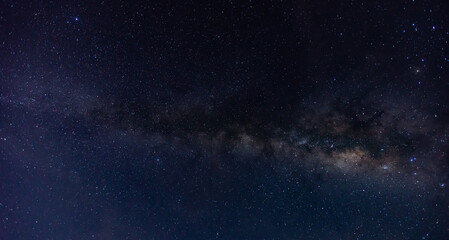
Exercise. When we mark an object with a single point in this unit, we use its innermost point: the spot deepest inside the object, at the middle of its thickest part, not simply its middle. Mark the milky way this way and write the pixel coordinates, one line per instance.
(231, 120)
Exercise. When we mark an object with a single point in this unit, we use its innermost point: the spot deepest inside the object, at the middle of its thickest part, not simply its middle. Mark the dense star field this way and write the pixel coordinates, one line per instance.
(224, 120)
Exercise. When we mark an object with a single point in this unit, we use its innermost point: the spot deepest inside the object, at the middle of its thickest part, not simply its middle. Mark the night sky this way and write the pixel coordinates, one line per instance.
(224, 119)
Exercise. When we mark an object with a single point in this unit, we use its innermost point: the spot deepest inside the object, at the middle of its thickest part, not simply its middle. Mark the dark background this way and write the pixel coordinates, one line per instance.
(224, 119)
